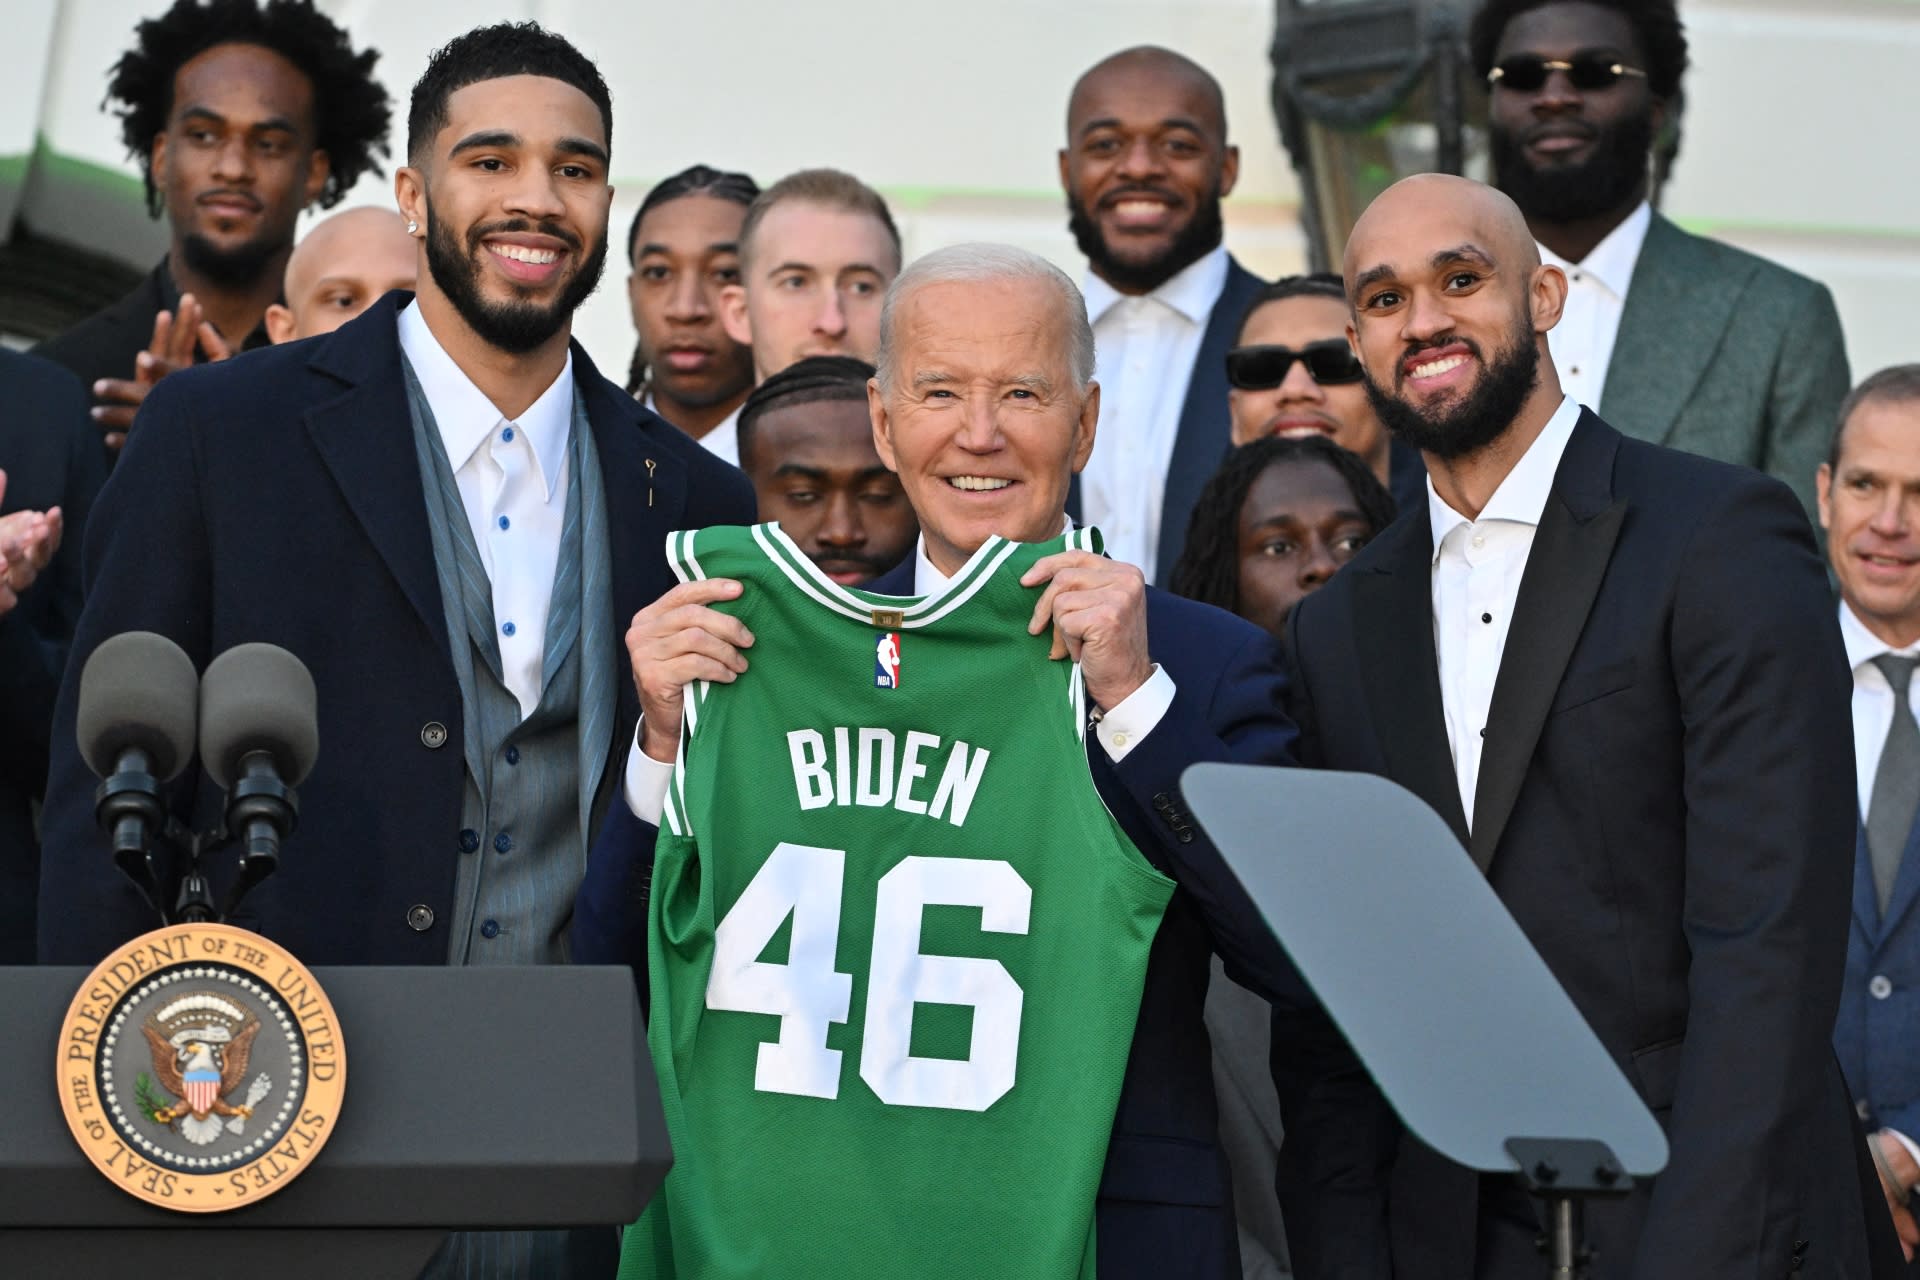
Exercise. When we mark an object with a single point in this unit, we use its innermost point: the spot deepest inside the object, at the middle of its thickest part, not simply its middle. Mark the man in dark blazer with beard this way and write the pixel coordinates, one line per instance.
(1614, 670)
(333, 496)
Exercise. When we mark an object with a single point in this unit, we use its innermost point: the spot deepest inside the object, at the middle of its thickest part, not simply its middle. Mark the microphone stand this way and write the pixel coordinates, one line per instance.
(261, 811)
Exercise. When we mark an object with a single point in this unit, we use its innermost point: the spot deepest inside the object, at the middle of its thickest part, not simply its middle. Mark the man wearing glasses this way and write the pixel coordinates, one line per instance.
(1673, 338)
(1291, 373)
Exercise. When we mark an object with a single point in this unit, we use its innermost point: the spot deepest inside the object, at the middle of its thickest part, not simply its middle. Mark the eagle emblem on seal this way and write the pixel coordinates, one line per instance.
(200, 1045)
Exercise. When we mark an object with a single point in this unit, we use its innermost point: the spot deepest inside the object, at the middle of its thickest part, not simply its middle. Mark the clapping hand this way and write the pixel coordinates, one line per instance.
(172, 347)
(28, 540)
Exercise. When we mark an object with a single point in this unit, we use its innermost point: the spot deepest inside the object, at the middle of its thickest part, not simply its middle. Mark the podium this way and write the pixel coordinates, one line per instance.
(514, 1098)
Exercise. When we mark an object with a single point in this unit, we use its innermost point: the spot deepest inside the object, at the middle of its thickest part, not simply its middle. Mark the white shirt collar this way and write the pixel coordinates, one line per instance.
(928, 580)
(1862, 645)
(1192, 292)
(1522, 496)
(1612, 261)
(466, 417)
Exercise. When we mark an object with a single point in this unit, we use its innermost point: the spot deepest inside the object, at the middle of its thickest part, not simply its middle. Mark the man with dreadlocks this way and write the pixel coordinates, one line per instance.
(241, 114)
(684, 246)
(1279, 518)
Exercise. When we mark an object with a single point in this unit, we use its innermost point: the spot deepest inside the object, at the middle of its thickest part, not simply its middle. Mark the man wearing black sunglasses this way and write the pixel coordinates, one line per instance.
(1291, 373)
(1675, 339)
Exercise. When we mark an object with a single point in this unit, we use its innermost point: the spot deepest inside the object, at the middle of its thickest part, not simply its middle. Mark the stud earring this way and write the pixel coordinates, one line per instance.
(413, 228)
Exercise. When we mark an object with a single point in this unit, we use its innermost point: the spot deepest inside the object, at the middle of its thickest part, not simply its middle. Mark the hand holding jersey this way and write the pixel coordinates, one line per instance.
(1098, 608)
(675, 641)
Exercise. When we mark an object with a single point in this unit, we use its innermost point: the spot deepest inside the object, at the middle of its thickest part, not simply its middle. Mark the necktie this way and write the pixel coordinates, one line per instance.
(1896, 784)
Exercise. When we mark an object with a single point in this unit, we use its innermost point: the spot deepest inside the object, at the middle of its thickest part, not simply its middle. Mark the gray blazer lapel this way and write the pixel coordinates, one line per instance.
(1677, 312)
(1564, 570)
(599, 694)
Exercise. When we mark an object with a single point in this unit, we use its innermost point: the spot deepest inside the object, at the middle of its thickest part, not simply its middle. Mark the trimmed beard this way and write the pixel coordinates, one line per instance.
(239, 267)
(1201, 236)
(514, 327)
(1605, 180)
(1468, 423)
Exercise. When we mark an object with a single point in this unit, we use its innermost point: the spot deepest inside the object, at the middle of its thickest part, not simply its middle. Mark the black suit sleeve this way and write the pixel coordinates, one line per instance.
(1333, 1169)
(147, 569)
(1236, 717)
(1770, 805)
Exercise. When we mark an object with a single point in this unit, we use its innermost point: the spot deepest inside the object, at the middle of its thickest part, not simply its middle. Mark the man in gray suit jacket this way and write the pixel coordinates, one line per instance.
(1673, 338)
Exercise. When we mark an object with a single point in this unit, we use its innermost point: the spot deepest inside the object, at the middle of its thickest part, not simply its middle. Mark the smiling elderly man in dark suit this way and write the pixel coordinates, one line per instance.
(986, 406)
(1613, 669)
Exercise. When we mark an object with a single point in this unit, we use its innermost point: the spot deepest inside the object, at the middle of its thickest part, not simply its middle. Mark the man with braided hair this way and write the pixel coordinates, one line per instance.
(684, 246)
(807, 445)
(241, 114)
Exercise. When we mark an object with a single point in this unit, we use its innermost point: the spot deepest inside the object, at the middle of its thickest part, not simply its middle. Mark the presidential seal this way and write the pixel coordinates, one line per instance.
(201, 1068)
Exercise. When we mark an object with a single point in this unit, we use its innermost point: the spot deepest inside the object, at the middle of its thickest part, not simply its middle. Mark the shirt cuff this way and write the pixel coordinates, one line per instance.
(1134, 716)
(1906, 1142)
(645, 786)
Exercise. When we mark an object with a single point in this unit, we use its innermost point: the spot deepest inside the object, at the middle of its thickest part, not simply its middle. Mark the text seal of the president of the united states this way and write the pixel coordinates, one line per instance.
(201, 1067)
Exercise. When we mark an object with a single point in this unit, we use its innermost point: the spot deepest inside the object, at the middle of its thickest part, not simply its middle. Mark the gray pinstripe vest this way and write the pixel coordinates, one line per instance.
(528, 810)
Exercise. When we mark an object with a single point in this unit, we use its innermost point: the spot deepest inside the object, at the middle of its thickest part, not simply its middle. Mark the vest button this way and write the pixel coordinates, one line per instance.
(1879, 987)
(433, 735)
(469, 840)
(491, 929)
(419, 917)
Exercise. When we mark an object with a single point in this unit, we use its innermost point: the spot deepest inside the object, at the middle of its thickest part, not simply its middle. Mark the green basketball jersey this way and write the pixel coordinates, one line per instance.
(896, 940)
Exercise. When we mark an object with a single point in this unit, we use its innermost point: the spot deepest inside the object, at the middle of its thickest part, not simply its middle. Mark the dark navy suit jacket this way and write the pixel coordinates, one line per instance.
(278, 498)
(1165, 1207)
(1206, 432)
(1878, 1034)
(51, 453)
(1664, 805)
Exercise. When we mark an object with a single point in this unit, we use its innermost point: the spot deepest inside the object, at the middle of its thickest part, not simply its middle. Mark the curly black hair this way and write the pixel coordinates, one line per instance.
(1209, 566)
(493, 53)
(350, 108)
(1663, 40)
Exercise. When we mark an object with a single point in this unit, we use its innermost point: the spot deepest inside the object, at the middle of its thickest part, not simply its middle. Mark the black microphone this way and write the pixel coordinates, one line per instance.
(139, 701)
(258, 739)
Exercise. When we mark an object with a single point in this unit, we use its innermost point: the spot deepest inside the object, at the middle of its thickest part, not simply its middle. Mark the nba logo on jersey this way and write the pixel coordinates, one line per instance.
(886, 660)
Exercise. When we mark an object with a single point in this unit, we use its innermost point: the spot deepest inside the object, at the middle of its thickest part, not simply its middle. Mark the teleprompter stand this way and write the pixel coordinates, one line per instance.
(1470, 1038)
(478, 1098)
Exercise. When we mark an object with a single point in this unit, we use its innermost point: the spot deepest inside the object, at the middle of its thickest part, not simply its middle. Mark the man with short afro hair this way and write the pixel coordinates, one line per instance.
(241, 113)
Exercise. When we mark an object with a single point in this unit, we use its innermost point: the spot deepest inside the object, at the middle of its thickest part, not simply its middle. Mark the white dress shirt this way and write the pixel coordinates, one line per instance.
(1582, 343)
(1120, 729)
(512, 476)
(723, 442)
(1872, 717)
(1146, 348)
(1477, 566)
